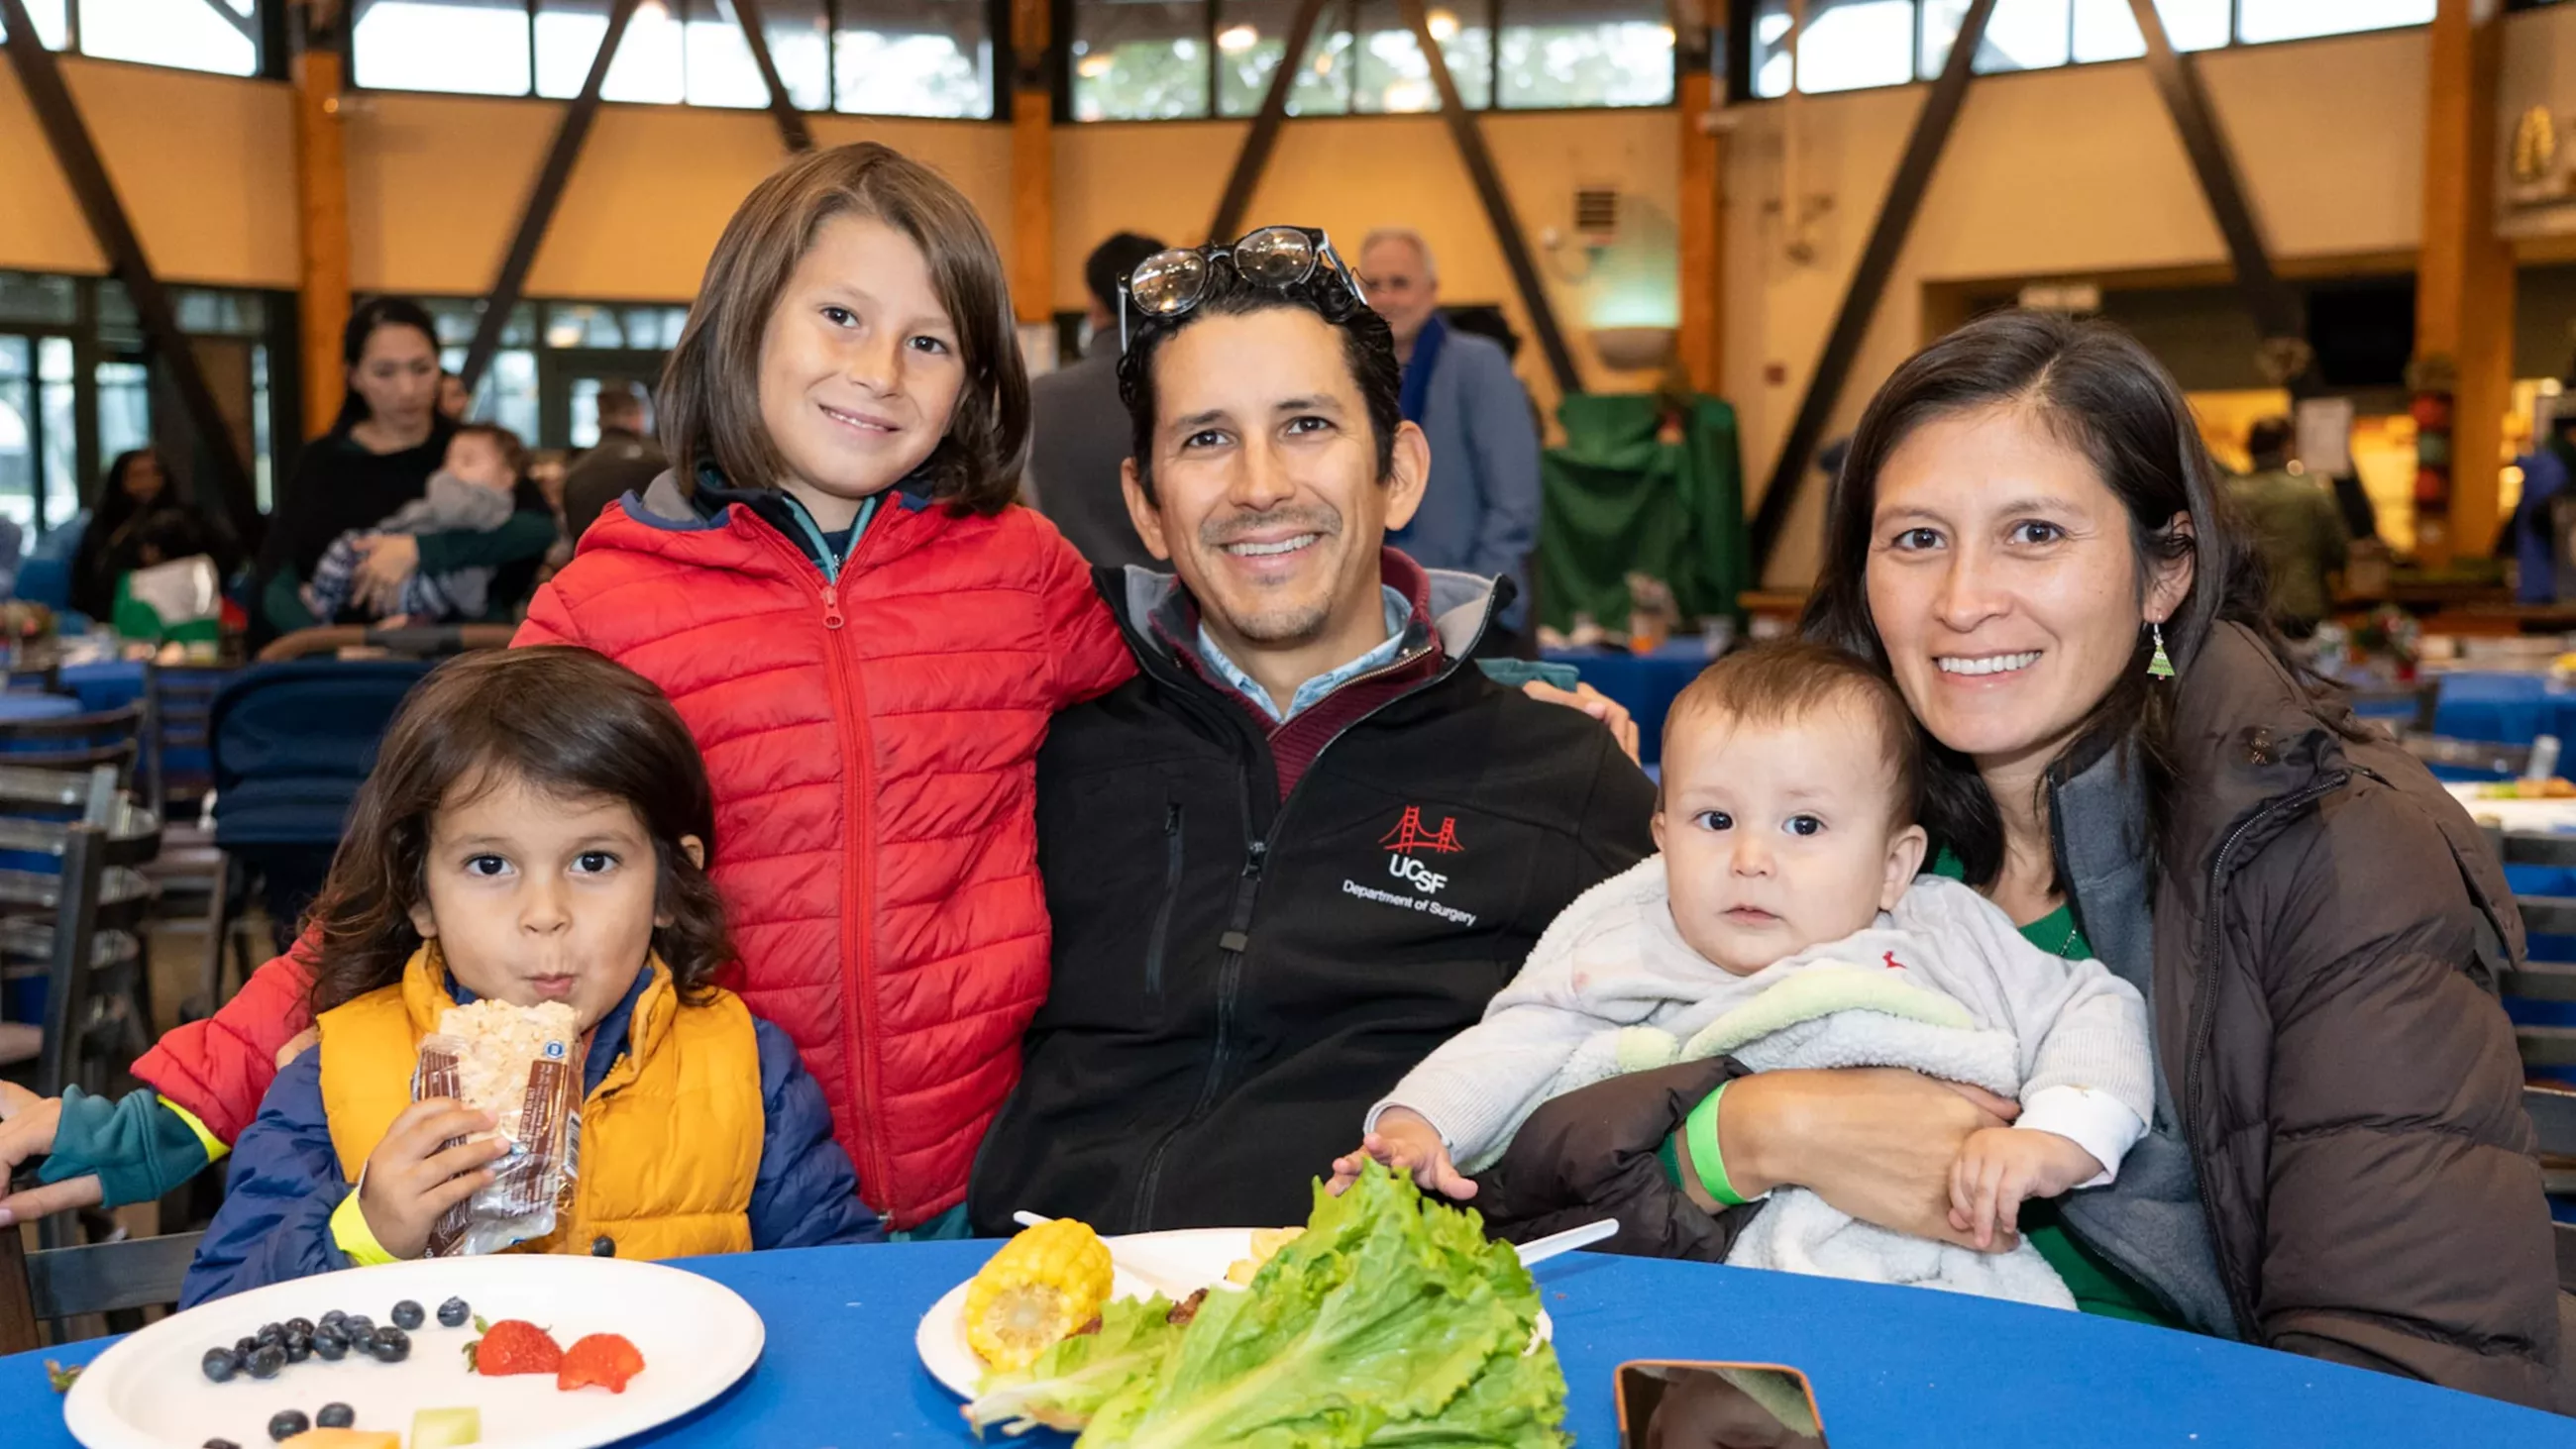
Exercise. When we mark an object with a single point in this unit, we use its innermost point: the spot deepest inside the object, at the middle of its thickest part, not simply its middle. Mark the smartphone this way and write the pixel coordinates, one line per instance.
(1717, 1406)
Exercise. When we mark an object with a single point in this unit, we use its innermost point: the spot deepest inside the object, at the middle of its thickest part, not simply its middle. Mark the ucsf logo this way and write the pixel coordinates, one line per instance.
(1423, 877)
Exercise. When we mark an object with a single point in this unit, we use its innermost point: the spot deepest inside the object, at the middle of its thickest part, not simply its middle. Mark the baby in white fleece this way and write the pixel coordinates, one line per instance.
(1789, 845)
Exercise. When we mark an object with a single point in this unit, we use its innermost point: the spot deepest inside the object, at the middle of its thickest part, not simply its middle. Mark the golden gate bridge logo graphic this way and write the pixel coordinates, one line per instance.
(1408, 835)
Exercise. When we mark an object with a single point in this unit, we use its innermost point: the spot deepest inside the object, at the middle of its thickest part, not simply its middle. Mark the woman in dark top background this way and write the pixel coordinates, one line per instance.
(137, 520)
(377, 457)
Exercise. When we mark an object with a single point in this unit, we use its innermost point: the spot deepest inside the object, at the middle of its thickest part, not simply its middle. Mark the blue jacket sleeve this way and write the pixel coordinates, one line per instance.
(1504, 435)
(275, 1223)
(807, 1193)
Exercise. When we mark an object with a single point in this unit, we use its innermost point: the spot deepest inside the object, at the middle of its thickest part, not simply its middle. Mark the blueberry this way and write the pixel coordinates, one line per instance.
(244, 1348)
(300, 1325)
(221, 1364)
(221, 1444)
(407, 1315)
(265, 1363)
(357, 1327)
(392, 1345)
(287, 1423)
(335, 1416)
(298, 1348)
(329, 1346)
(453, 1313)
(272, 1333)
(332, 1318)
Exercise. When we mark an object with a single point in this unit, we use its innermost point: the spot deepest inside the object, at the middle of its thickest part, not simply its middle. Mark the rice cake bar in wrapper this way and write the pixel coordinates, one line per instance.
(523, 1066)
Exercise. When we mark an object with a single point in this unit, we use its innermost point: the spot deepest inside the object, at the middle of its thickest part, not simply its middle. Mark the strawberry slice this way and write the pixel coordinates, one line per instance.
(512, 1346)
(603, 1359)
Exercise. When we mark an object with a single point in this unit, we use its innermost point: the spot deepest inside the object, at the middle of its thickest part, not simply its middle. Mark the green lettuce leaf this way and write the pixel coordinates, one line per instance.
(1071, 1380)
(1392, 1321)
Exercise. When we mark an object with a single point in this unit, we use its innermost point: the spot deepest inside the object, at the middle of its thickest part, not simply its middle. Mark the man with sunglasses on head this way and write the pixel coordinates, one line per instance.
(1310, 840)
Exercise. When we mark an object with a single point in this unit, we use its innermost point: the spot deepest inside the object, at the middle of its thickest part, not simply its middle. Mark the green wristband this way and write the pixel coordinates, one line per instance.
(1706, 1162)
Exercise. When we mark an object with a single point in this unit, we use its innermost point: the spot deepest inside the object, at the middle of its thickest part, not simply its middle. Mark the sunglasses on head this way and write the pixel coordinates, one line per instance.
(1169, 284)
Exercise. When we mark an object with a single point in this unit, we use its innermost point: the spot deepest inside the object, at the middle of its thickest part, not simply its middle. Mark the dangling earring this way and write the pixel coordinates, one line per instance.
(2160, 666)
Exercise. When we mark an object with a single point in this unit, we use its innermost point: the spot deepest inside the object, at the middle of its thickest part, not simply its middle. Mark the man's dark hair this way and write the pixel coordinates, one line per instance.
(2269, 442)
(1367, 345)
(1110, 263)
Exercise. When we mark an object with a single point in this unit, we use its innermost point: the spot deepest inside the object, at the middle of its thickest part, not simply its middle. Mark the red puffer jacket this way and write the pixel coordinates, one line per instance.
(872, 747)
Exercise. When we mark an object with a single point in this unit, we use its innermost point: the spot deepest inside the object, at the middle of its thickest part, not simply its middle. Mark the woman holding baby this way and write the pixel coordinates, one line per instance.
(2027, 535)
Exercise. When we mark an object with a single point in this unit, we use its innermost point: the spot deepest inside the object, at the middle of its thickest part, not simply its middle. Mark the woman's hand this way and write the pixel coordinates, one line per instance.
(390, 559)
(1876, 1142)
(1612, 714)
(27, 1125)
(414, 1176)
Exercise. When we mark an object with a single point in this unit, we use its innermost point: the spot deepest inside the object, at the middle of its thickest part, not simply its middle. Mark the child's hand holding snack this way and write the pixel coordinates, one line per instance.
(2001, 1168)
(414, 1176)
(1406, 1141)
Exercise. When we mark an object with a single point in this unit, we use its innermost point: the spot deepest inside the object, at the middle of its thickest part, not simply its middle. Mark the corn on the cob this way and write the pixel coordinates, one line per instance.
(1041, 1287)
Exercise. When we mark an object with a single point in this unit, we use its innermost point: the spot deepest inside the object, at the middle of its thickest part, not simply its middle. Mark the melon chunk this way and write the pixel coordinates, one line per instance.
(446, 1428)
(347, 1439)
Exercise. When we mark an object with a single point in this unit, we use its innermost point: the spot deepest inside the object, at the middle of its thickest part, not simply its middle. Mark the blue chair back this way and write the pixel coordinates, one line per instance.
(293, 741)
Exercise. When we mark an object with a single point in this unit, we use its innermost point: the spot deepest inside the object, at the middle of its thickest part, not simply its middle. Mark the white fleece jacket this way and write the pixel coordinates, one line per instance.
(1614, 961)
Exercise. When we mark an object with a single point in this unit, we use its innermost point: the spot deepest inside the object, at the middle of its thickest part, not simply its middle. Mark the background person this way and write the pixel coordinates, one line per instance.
(377, 457)
(1480, 512)
(2296, 524)
(624, 460)
(137, 520)
(1078, 435)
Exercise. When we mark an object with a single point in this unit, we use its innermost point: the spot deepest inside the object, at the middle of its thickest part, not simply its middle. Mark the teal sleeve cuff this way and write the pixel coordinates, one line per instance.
(1513, 673)
(1671, 1157)
(138, 1148)
(524, 535)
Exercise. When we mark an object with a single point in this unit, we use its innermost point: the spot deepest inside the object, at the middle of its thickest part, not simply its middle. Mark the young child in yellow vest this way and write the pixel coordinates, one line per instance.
(537, 829)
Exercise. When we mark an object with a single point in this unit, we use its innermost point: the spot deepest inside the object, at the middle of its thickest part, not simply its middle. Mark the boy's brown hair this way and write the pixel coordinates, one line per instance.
(567, 723)
(1786, 680)
(513, 451)
(710, 402)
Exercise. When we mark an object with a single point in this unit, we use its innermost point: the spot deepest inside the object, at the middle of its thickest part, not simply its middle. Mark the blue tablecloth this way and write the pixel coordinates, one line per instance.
(1892, 1366)
(20, 706)
(2504, 708)
(1644, 683)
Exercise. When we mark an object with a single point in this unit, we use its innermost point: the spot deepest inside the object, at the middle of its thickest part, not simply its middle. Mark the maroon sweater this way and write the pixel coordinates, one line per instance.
(1294, 745)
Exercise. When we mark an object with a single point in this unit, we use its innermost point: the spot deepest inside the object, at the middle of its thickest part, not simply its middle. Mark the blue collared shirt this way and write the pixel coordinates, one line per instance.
(1399, 623)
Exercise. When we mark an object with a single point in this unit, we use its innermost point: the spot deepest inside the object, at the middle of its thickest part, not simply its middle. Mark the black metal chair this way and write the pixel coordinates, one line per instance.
(2553, 1116)
(56, 1284)
(2542, 1046)
(77, 741)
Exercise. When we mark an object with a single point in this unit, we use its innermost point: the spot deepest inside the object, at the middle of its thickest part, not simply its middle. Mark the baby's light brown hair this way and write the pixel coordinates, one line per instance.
(1787, 680)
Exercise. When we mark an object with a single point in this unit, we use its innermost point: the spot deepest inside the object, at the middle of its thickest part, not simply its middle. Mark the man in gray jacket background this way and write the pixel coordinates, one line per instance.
(1480, 512)
(1078, 436)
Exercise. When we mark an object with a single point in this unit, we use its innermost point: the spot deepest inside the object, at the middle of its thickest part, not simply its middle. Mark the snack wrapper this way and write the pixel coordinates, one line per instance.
(523, 1066)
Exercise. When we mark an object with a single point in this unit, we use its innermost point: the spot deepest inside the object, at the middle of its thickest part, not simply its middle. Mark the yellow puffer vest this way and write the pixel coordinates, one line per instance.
(670, 1143)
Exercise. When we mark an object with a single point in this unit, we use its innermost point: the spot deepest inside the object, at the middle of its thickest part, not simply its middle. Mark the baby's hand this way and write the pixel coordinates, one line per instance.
(1407, 1142)
(2001, 1168)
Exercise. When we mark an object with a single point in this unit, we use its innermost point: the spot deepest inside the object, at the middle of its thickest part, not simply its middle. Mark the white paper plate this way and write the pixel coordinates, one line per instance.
(1179, 1262)
(697, 1336)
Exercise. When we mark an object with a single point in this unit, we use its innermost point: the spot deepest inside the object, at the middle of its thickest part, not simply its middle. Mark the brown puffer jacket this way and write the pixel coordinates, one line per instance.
(2328, 929)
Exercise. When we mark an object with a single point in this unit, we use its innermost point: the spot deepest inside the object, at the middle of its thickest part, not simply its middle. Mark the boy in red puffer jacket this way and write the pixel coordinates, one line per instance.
(867, 641)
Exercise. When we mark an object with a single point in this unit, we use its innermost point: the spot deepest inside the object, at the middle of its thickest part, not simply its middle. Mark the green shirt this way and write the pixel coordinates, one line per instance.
(2098, 1286)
